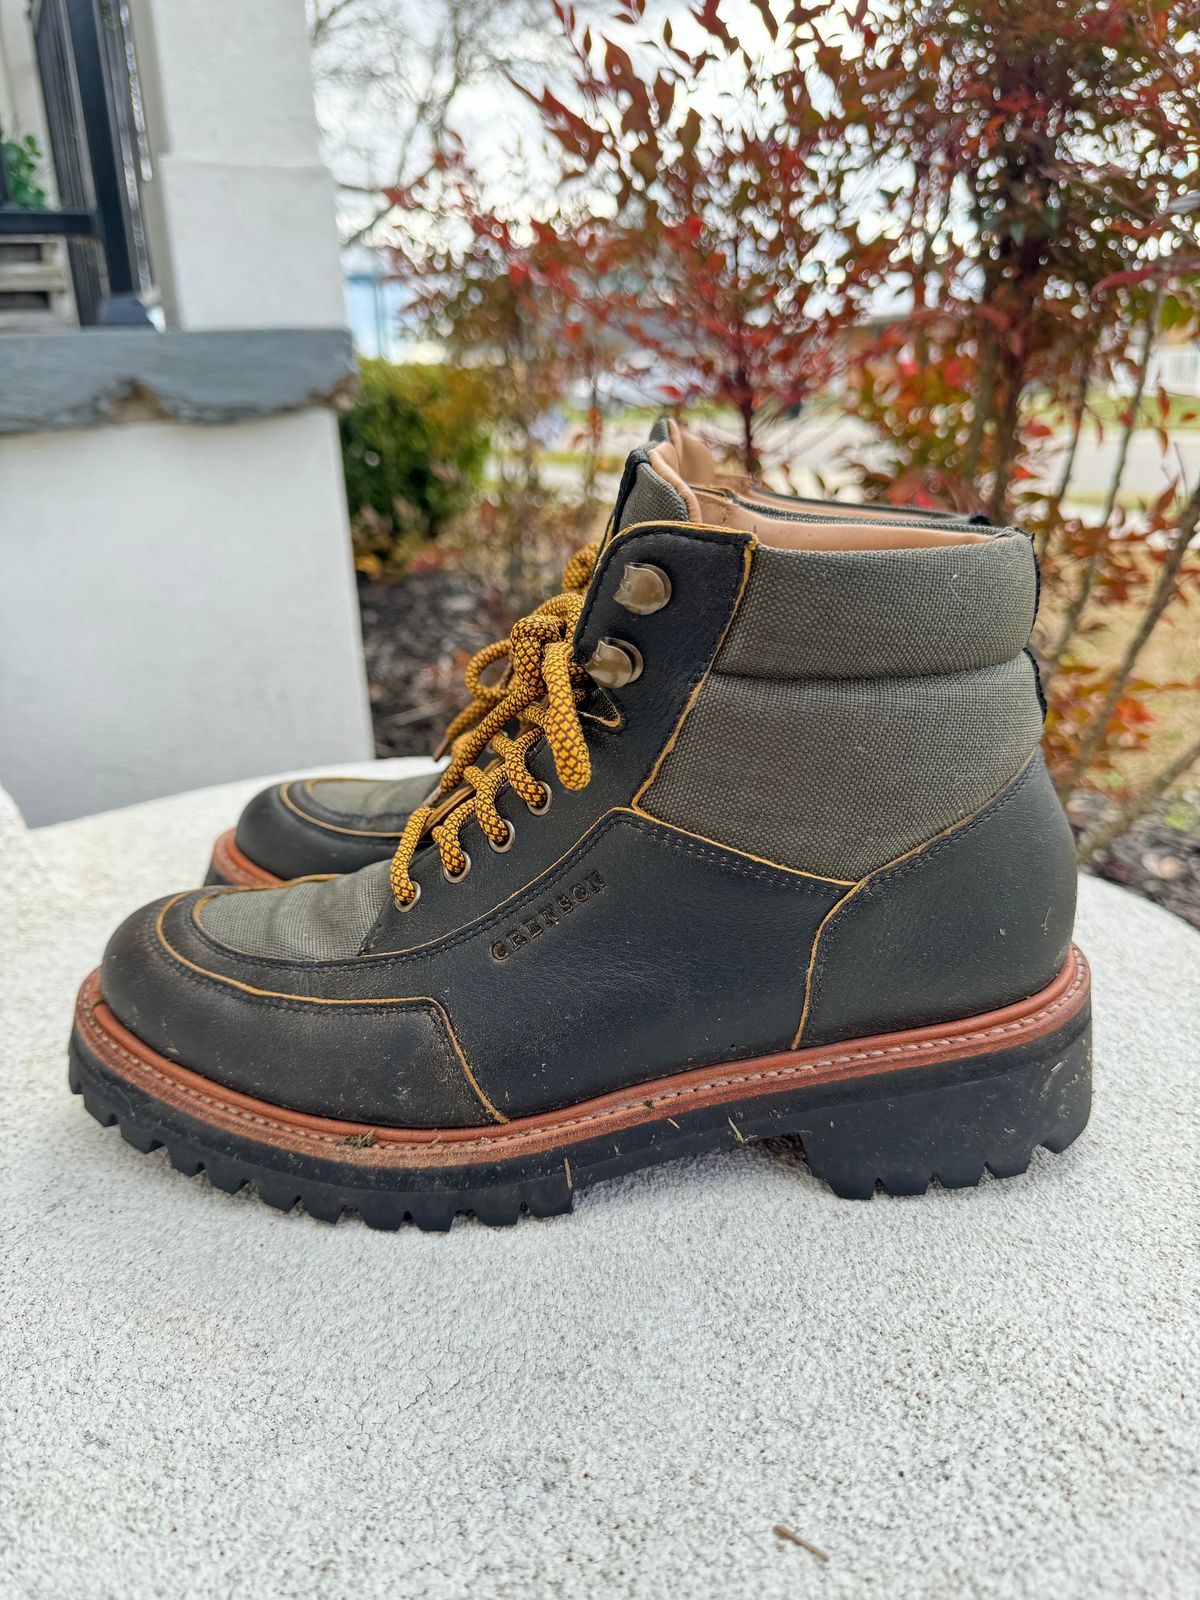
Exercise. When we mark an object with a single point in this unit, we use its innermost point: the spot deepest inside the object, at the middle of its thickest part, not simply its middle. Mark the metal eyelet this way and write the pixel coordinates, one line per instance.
(457, 877)
(643, 589)
(508, 842)
(540, 811)
(614, 663)
(407, 905)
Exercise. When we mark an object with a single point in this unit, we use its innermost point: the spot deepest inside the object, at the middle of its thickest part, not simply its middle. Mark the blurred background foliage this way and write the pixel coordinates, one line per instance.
(24, 165)
(414, 446)
(965, 236)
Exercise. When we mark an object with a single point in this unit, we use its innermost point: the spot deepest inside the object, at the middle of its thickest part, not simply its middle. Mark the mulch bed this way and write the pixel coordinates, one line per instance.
(420, 633)
(1158, 858)
(418, 636)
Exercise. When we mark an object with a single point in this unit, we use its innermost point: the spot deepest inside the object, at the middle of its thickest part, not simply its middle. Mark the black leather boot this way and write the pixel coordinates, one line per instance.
(757, 841)
(310, 826)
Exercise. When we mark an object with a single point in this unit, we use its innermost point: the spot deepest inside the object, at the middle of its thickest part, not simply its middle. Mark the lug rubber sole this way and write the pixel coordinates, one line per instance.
(896, 1112)
(231, 868)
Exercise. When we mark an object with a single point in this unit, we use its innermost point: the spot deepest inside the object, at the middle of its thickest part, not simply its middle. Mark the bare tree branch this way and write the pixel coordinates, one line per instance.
(1097, 728)
(389, 74)
(1087, 581)
(1078, 413)
(1139, 804)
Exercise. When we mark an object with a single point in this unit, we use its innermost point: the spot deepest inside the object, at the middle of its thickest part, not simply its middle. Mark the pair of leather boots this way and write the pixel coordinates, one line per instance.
(745, 833)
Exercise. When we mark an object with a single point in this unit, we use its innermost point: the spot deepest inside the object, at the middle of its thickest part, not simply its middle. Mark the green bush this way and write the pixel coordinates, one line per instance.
(22, 167)
(414, 446)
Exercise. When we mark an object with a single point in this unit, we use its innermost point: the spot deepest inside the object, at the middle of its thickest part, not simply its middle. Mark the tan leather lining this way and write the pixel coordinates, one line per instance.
(833, 513)
(694, 459)
(716, 510)
(665, 462)
(835, 534)
(178, 1087)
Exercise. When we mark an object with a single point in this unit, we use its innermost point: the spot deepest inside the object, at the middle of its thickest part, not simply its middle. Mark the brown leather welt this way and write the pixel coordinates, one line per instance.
(188, 1092)
(237, 868)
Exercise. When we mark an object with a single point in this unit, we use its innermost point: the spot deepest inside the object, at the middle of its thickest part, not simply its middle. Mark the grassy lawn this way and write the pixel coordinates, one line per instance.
(1109, 409)
(1098, 498)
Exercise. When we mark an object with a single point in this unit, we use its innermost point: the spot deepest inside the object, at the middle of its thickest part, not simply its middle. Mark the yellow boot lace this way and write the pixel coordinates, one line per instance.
(541, 688)
(577, 574)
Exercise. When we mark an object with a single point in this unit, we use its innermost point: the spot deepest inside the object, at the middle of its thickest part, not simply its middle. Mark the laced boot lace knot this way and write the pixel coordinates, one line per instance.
(540, 689)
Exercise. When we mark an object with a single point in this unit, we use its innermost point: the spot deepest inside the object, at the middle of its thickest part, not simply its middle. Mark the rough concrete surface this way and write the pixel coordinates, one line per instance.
(982, 1393)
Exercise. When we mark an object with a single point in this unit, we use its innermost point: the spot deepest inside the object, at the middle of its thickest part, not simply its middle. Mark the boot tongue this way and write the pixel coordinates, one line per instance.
(650, 497)
(652, 489)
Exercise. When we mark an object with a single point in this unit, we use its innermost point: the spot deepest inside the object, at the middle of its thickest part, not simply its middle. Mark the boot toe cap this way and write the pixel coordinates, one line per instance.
(313, 1044)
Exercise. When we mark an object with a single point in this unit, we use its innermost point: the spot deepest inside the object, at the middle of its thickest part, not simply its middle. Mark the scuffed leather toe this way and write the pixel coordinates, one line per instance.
(252, 1027)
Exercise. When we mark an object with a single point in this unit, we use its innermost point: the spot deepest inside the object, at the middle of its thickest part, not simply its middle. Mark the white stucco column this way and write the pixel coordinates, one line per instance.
(241, 209)
(177, 596)
(20, 97)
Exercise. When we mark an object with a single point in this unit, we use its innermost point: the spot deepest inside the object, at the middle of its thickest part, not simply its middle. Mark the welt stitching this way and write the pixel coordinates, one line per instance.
(202, 1099)
(1025, 1025)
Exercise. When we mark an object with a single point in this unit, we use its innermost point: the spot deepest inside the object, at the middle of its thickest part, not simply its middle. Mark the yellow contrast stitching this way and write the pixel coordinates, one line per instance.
(332, 827)
(314, 1000)
(886, 867)
(520, 1135)
(747, 555)
(812, 959)
(523, 889)
(745, 855)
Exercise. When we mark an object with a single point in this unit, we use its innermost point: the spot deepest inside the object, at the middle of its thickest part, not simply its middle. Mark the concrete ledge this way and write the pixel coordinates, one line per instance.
(989, 1393)
(87, 376)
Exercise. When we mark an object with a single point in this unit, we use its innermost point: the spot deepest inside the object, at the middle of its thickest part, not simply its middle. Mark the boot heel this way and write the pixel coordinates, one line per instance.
(953, 1121)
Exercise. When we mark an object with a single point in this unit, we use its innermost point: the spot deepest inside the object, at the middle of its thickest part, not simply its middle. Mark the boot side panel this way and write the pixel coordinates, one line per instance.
(841, 776)
(862, 701)
(977, 919)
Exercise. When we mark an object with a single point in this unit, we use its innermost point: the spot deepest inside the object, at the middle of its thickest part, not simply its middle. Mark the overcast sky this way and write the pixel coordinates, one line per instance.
(368, 77)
